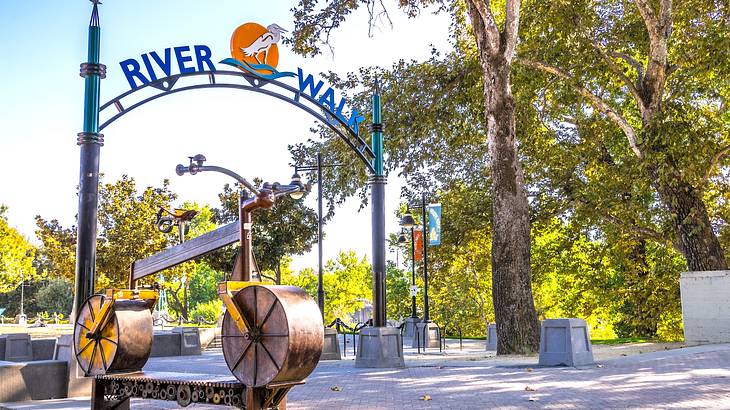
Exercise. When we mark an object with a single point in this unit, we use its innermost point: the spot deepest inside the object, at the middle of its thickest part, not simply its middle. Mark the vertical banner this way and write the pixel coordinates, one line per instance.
(418, 242)
(434, 224)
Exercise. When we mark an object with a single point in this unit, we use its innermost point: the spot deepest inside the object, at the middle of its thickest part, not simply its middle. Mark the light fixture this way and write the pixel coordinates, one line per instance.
(402, 238)
(297, 180)
(407, 220)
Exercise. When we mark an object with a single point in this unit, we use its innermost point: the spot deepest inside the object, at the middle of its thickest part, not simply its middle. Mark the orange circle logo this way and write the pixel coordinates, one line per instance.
(256, 45)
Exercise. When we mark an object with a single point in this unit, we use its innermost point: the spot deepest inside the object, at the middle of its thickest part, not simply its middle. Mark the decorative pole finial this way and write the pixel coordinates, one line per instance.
(95, 14)
(377, 86)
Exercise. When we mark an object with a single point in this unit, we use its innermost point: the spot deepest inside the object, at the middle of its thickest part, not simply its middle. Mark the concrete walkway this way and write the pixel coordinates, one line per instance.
(687, 378)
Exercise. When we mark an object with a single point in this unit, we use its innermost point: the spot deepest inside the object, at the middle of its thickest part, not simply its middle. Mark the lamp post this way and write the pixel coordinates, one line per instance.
(401, 240)
(428, 332)
(181, 218)
(263, 198)
(318, 167)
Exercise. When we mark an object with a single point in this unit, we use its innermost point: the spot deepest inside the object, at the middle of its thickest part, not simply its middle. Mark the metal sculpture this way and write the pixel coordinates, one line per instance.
(272, 335)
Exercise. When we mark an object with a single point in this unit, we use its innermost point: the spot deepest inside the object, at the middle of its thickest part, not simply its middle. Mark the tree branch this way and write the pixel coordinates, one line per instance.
(486, 18)
(629, 60)
(594, 100)
(620, 73)
(650, 19)
(511, 28)
(714, 161)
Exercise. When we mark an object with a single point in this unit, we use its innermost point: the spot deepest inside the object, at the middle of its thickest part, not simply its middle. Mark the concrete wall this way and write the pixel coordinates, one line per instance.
(38, 380)
(706, 306)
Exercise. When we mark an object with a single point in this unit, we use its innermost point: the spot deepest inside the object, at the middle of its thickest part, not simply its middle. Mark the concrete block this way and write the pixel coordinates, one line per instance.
(492, 336)
(428, 335)
(43, 349)
(331, 347)
(18, 348)
(78, 385)
(189, 341)
(38, 380)
(166, 343)
(706, 306)
(208, 335)
(565, 342)
(409, 329)
(379, 347)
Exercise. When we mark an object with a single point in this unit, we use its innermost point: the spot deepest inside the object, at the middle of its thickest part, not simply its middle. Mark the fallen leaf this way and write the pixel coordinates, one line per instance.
(599, 366)
(528, 388)
(425, 397)
(624, 354)
(533, 398)
(529, 369)
(336, 388)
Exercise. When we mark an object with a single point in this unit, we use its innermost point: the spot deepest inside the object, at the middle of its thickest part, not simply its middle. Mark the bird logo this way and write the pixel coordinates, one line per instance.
(254, 49)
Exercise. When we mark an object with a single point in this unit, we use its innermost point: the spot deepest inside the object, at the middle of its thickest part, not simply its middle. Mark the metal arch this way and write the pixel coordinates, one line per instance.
(166, 86)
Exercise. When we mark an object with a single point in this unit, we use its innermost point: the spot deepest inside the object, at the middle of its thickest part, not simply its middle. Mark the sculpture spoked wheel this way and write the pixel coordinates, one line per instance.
(113, 332)
(278, 336)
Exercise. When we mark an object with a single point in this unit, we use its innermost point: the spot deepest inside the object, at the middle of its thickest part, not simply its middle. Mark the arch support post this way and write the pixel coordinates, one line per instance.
(380, 346)
(90, 142)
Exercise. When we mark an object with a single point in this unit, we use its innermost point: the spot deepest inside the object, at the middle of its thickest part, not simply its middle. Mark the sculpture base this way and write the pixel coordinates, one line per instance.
(428, 335)
(409, 329)
(331, 348)
(380, 347)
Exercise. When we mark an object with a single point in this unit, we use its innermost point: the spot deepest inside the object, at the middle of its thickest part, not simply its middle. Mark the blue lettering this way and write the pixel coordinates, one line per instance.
(131, 71)
(181, 60)
(328, 99)
(164, 65)
(308, 82)
(150, 70)
(202, 55)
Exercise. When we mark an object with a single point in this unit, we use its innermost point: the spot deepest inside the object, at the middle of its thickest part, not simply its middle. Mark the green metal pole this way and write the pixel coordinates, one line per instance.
(90, 142)
(377, 184)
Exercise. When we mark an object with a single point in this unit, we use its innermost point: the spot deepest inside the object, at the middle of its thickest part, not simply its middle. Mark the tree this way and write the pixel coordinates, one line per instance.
(651, 69)
(57, 296)
(16, 256)
(495, 47)
(398, 283)
(289, 228)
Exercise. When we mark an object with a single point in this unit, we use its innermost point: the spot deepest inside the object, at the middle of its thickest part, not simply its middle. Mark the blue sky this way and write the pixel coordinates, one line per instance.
(41, 107)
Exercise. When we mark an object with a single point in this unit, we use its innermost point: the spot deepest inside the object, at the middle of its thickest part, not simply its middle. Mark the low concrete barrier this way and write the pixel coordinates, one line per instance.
(492, 336)
(331, 349)
(43, 348)
(37, 380)
(180, 341)
(565, 342)
(18, 348)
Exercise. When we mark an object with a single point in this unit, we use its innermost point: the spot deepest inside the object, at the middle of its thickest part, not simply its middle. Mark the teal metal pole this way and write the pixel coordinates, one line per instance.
(90, 142)
(377, 191)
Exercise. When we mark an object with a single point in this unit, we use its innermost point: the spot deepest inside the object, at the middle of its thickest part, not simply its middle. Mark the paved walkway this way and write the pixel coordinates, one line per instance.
(689, 378)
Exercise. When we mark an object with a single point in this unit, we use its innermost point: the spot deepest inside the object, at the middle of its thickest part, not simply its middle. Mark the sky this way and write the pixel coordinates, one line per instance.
(41, 109)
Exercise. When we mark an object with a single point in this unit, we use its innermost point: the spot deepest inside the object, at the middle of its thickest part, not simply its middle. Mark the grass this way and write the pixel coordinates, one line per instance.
(622, 340)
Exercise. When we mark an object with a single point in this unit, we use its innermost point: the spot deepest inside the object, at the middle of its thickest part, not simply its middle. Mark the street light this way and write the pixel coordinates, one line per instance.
(317, 167)
(263, 198)
(164, 223)
(407, 221)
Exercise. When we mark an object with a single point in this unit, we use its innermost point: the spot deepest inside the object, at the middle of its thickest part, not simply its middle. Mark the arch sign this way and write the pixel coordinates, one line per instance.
(254, 59)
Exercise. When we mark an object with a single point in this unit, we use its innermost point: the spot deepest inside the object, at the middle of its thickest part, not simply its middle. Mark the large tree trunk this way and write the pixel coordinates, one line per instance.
(514, 309)
(690, 221)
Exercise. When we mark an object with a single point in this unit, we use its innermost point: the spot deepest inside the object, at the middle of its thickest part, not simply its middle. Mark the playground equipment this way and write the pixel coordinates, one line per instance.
(272, 335)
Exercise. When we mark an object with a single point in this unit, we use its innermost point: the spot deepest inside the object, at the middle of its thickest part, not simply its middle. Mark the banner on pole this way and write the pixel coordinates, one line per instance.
(418, 242)
(434, 224)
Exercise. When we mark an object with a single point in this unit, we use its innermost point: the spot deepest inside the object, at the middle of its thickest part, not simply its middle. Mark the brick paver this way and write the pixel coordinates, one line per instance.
(687, 379)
